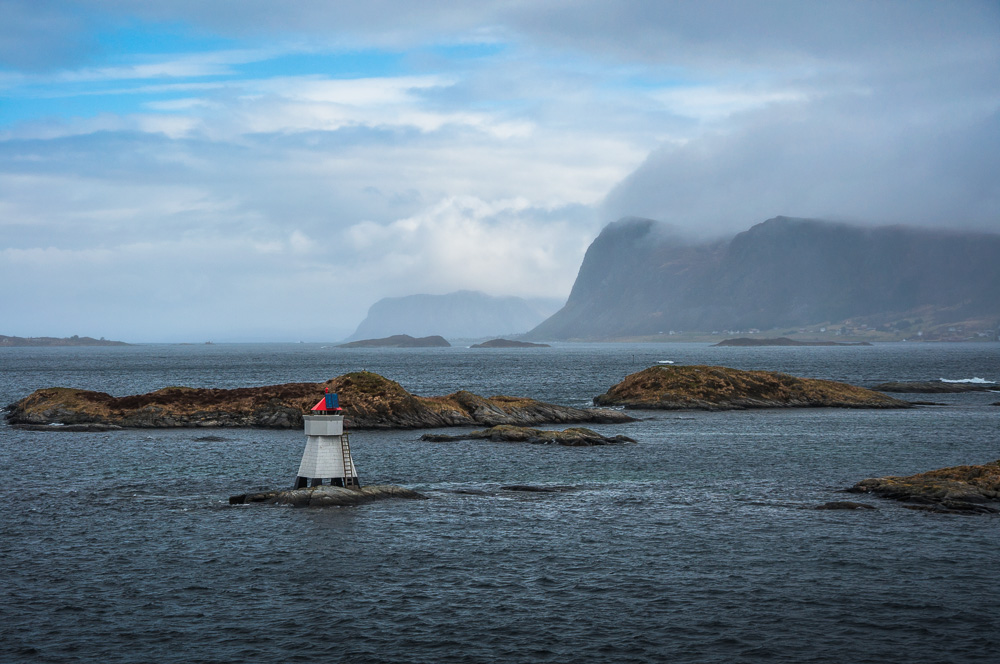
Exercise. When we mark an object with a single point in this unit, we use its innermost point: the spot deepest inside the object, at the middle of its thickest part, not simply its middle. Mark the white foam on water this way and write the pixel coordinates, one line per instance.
(968, 380)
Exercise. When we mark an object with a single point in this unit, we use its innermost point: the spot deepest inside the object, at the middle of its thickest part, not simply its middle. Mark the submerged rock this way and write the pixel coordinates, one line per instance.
(844, 505)
(573, 437)
(933, 387)
(721, 388)
(369, 400)
(956, 489)
(325, 496)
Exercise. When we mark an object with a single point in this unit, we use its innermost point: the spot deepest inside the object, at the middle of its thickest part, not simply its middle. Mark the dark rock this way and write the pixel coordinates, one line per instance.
(844, 505)
(721, 388)
(324, 496)
(572, 437)
(534, 488)
(954, 489)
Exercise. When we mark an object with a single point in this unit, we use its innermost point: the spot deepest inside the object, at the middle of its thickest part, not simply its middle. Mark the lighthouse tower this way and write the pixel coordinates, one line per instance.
(328, 451)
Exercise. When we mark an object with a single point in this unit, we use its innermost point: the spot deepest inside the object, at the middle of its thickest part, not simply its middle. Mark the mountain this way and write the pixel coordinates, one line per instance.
(640, 278)
(459, 315)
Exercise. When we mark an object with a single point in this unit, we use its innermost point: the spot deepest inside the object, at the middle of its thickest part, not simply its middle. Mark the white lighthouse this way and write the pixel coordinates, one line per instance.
(328, 451)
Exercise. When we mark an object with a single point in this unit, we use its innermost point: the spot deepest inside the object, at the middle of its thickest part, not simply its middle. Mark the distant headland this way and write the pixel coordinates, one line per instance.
(508, 343)
(785, 341)
(57, 341)
(399, 341)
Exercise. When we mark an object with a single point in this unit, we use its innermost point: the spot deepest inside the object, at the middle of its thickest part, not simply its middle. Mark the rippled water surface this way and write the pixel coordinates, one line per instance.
(696, 544)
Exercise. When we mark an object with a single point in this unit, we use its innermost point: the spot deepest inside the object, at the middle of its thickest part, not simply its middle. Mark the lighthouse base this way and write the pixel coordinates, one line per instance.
(303, 482)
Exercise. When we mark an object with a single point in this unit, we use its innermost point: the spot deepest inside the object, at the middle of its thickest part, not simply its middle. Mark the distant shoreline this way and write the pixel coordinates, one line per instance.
(14, 342)
(785, 341)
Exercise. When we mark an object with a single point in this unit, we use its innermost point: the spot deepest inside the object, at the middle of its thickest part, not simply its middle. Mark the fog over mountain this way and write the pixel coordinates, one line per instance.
(459, 315)
(641, 277)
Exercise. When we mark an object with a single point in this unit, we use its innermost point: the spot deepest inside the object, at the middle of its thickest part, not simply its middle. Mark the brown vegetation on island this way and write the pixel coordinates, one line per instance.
(369, 400)
(721, 388)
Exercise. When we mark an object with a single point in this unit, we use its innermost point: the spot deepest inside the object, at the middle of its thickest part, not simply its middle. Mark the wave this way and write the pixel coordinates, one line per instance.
(969, 380)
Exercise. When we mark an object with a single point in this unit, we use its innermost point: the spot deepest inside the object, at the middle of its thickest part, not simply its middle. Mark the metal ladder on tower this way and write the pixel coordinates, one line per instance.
(349, 478)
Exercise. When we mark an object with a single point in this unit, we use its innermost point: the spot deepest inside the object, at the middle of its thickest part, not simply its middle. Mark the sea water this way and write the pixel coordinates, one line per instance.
(697, 544)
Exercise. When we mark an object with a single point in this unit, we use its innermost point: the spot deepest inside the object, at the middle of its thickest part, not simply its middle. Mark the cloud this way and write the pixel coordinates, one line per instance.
(503, 247)
(873, 157)
(245, 152)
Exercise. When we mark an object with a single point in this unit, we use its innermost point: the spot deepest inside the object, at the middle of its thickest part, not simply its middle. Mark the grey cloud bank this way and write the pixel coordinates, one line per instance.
(212, 209)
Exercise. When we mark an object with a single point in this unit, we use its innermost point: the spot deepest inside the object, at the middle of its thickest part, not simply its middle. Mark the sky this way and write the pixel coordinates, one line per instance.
(249, 170)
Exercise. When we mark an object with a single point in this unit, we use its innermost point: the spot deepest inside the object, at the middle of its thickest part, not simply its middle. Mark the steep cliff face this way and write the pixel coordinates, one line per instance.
(638, 278)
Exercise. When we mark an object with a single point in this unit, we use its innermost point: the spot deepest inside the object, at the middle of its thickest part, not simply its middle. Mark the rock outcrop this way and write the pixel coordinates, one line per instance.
(933, 387)
(572, 437)
(961, 489)
(844, 505)
(369, 400)
(721, 388)
(325, 496)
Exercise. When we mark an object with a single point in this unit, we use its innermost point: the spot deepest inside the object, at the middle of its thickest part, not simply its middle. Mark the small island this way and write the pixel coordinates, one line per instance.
(572, 437)
(369, 401)
(722, 388)
(74, 340)
(507, 343)
(785, 341)
(958, 489)
(399, 341)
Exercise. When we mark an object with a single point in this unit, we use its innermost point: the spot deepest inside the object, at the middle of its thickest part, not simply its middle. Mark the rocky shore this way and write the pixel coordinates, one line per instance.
(958, 489)
(369, 400)
(572, 437)
(325, 496)
(721, 388)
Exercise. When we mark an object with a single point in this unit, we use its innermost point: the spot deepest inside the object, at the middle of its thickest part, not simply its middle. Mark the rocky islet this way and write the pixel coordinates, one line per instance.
(370, 401)
(572, 437)
(956, 489)
(701, 387)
